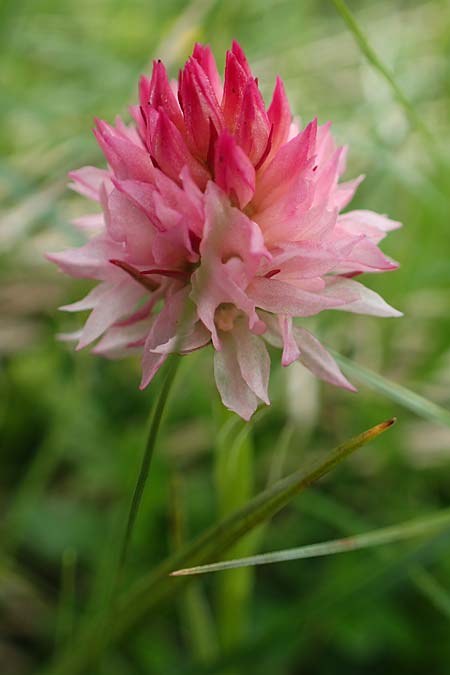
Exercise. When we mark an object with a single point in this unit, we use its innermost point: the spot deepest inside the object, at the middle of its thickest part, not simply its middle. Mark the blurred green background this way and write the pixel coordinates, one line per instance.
(72, 426)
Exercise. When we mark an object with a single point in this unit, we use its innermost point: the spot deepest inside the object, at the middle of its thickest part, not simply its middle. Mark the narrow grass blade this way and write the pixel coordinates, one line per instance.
(405, 397)
(386, 535)
(155, 424)
(66, 613)
(432, 589)
(375, 61)
(152, 590)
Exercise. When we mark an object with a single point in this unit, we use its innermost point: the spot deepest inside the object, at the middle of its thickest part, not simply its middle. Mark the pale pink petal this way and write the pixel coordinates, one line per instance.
(164, 328)
(118, 301)
(128, 224)
(290, 161)
(359, 298)
(235, 393)
(253, 359)
(194, 336)
(91, 300)
(94, 222)
(125, 158)
(121, 341)
(91, 261)
(291, 351)
(88, 180)
(373, 225)
(344, 192)
(285, 298)
(316, 358)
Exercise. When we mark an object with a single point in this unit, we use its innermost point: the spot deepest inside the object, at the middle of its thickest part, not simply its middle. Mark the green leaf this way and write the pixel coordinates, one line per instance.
(154, 589)
(405, 397)
(387, 535)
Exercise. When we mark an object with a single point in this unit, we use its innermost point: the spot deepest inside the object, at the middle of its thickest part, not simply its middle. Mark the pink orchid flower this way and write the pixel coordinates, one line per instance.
(214, 201)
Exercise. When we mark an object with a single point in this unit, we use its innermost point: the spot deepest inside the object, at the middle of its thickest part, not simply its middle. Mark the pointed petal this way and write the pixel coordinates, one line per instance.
(235, 393)
(280, 116)
(291, 351)
(126, 159)
(253, 126)
(200, 107)
(118, 301)
(233, 93)
(169, 149)
(158, 94)
(358, 299)
(88, 180)
(164, 328)
(233, 171)
(280, 297)
(253, 359)
(316, 358)
(204, 56)
(289, 162)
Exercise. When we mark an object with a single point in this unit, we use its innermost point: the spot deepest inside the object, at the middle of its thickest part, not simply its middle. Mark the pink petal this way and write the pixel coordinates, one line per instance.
(204, 56)
(344, 192)
(233, 171)
(291, 351)
(235, 82)
(88, 180)
(90, 261)
(316, 358)
(170, 151)
(201, 108)
(116, 302)
(235, 393)
(157, 93)
(358, 299)
(90, 301)
(303, 260)
(253, 359)
(253, 126)
(126, 159)
(164, 328)
(119, 341)
(280, 297)
(128, 224)
(231, 249)
(373, 225)
(289, 162)
(280, 116)
(93, 221)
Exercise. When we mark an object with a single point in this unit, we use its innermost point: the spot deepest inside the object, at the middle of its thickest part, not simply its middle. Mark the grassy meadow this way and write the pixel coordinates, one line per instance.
(73, 425)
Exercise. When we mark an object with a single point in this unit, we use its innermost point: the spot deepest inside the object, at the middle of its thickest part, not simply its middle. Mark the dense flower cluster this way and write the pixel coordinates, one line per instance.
(215, 203)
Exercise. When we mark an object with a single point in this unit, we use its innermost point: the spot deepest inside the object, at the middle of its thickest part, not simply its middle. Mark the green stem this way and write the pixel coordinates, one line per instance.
(234, 483)
(372, 57)
(155, 424)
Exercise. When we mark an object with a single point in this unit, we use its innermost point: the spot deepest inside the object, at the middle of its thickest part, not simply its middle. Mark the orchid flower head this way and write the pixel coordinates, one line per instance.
(214, 200)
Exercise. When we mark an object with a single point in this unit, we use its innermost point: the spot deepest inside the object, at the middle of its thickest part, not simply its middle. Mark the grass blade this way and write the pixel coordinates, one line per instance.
(374, 60)
(154, 589)
(386, 535)
(405, 397)
(432, 589)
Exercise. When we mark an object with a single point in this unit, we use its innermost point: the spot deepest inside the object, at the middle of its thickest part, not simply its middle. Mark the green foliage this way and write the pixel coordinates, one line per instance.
(73, 427)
